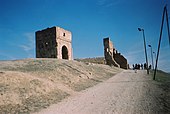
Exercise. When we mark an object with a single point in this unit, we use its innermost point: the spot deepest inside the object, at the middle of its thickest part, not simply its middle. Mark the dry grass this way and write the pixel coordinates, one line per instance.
(32, 84)
(96, 60)
(163, 80)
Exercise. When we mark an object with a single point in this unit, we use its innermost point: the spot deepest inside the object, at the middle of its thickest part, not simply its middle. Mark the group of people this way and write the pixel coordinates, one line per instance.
(140, 66)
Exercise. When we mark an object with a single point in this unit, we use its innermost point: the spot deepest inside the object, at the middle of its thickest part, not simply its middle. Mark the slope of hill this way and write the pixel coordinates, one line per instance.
(164, 83)
(32, 84)
(96, 60)
(162, 76)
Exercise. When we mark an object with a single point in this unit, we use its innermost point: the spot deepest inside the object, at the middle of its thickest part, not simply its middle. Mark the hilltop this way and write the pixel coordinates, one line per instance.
(96, 60)
(32, 84)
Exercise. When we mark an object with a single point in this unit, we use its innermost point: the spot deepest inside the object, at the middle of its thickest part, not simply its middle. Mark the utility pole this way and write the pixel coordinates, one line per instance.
(165, 13)
(145, 49)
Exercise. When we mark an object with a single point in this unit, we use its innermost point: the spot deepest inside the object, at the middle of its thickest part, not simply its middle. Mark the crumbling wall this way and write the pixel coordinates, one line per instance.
(108, 52)
(64, 40)
(46, 43)
(121, 60)
(112, 57)
(54, 42)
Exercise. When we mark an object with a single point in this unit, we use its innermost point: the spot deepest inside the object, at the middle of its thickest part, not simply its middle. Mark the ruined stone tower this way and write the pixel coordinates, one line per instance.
(54, 42)
(112, 57)
(108, 52)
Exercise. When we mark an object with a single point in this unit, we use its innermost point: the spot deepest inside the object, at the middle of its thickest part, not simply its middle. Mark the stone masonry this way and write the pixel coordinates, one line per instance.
(112, 57)
(54, 42)
(108, 52)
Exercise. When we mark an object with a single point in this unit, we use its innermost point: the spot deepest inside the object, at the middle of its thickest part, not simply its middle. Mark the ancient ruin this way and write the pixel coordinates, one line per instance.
(112, 57)
(54, 42)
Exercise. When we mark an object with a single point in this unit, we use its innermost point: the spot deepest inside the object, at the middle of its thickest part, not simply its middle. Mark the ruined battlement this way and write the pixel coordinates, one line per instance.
(112, 56)
(54, 42)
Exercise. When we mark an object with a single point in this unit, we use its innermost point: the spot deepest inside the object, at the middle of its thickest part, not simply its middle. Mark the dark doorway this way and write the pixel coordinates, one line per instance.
(64, 52)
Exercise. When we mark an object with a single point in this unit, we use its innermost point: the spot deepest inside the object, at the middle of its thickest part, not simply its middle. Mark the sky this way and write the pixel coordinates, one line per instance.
(89, 21)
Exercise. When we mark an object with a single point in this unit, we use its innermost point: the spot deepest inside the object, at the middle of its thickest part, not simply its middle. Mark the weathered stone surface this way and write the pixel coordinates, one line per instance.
(108, 52)
(54, 42)
(121, 60)
(112, 57)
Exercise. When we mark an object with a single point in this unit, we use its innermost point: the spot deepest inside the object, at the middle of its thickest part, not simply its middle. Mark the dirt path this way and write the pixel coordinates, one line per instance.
(124, 93)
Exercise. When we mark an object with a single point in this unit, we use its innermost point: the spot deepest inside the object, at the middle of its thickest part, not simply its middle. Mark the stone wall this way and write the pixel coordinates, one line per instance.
(111, 55)
(64, 39)
(54, 42)
(46, 43)
(108, 52)
(121, 60)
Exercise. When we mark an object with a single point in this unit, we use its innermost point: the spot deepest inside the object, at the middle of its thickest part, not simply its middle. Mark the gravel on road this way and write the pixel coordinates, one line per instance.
(125, 93)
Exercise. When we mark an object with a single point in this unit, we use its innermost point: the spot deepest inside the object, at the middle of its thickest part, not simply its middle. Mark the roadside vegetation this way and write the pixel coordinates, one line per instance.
(163, 81)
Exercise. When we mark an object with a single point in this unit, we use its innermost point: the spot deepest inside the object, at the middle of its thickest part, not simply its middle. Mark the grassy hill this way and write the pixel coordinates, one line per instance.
(96, 60)
(163, 81)
(162, 76)
(32, 84)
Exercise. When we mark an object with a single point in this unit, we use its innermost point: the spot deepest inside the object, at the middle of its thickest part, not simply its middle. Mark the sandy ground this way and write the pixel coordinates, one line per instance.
(125, 93)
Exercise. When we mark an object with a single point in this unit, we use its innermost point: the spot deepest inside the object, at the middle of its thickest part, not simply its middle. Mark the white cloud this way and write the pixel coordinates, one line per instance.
(26, 47)
(101, 2)
(6, 56)
(135, 53)
(29, 45)
(108, 3)
(135, 57)
(164, 59)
